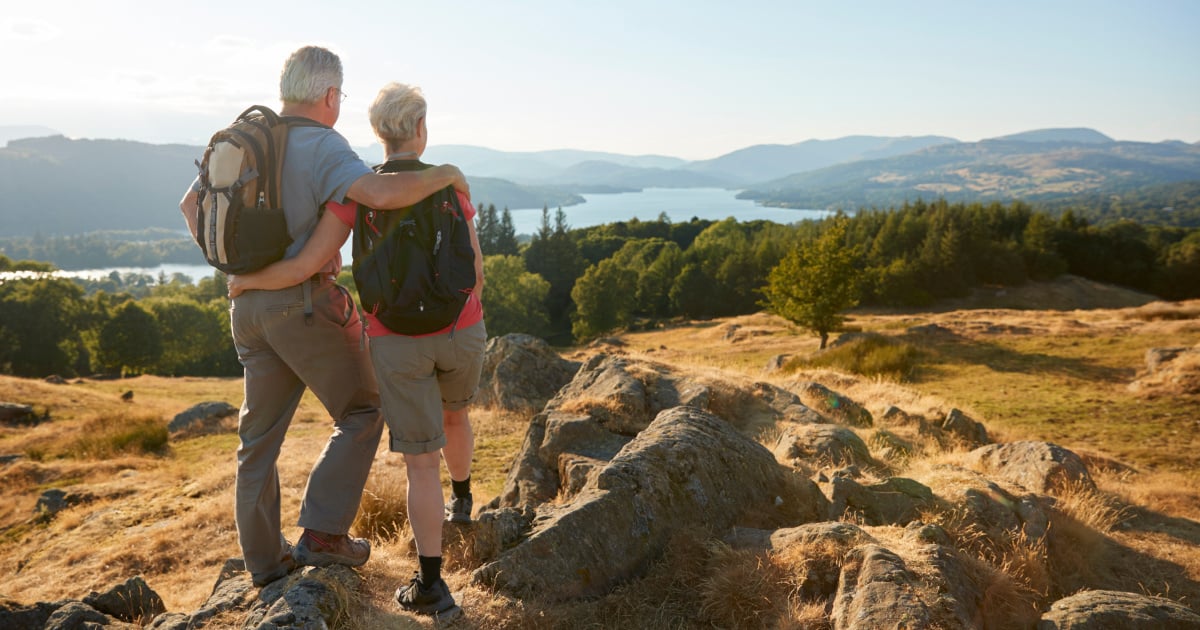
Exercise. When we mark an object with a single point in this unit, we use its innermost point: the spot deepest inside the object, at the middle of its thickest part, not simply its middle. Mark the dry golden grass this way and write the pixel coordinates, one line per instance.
(1049, 375)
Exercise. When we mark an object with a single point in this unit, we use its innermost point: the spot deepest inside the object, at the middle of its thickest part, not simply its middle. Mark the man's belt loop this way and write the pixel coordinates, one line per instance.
(306, 287)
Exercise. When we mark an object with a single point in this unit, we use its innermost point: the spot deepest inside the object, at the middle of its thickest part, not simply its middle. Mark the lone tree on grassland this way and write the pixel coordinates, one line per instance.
(816, 281)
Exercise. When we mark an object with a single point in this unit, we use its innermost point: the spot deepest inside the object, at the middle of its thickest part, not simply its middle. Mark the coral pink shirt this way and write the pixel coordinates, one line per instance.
(472, 312)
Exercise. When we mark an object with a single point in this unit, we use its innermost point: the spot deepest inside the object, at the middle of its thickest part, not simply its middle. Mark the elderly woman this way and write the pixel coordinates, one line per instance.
(427, 381)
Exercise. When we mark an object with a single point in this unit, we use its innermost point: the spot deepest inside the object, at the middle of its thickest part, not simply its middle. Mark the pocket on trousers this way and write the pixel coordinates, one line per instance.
(341, 306)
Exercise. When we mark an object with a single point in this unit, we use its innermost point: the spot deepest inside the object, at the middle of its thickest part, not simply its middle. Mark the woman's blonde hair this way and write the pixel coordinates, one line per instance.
(396, 113)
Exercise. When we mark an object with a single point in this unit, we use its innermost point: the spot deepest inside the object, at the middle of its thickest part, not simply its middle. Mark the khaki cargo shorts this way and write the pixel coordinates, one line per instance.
(419, 377)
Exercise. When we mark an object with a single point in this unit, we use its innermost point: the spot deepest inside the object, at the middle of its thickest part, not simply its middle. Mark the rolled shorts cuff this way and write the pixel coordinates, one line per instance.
(397, 445)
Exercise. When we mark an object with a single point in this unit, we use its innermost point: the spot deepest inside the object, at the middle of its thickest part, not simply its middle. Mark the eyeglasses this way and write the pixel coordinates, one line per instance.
(341, 93)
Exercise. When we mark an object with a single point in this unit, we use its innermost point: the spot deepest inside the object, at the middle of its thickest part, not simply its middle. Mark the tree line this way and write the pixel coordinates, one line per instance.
(570, 285)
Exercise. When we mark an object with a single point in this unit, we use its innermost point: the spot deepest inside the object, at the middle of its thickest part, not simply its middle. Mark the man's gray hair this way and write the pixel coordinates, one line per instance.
(396, 112)
(308, 74)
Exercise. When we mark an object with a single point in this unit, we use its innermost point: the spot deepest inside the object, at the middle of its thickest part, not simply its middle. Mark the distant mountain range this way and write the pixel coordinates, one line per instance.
(54, 185)
(1034, 166)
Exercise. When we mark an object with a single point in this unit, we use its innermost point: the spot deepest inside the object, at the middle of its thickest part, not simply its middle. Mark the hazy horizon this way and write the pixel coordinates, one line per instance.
(680, 79)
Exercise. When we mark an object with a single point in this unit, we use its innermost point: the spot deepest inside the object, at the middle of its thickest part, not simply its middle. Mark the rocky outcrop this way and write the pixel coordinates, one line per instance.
(965, 429)
(1156, 358)
(876, 590)
(688, 468)
(611, 400)
(1036, 466)
(1169, 372)
(988, 507)
(204, 417)
(521, 373)
(18, 616)
(894, 501)
(844, 534)
(306, 599)
(834, 406)
(132, 601)
(823, 444)
(15, 414)
(1101, 610)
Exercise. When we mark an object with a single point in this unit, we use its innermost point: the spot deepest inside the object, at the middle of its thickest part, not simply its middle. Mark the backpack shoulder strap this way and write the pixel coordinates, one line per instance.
(271, 117)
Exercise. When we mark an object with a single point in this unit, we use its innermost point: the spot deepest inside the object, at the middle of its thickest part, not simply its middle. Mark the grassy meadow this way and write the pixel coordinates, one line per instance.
(163, 509)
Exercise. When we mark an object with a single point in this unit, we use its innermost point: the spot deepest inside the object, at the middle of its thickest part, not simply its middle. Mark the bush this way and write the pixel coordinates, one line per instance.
(869, 355)
(110, 435)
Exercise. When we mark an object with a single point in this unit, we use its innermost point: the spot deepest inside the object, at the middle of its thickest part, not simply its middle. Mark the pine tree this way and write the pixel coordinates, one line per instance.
(485, 228)
(506, 236)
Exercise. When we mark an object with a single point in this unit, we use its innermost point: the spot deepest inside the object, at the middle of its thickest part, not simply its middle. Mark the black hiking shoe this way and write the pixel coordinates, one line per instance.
(434, 601)
(459, 509)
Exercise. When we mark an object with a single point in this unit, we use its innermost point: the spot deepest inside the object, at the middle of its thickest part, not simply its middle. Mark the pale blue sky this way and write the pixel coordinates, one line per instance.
(689, 79)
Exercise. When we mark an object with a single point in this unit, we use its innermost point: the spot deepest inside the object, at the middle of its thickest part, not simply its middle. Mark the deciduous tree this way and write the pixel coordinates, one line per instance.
(815, 282)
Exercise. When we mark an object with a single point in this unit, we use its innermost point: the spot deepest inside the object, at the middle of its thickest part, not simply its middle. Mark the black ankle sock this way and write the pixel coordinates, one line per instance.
(431, 570)
(461, 489)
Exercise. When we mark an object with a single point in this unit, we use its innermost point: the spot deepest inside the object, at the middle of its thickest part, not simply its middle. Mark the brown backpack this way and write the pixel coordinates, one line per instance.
(241, 225)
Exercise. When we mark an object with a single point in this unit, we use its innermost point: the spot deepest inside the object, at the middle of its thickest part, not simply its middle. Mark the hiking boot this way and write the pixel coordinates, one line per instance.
(434, 601)
(316, 549)
(459, 509)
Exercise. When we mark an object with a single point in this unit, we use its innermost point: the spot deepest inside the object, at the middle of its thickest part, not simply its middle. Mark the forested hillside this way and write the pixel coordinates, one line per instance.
(570, 285)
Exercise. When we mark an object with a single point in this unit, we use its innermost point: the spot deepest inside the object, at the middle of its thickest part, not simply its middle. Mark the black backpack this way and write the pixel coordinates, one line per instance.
(414, 266)
(241, 225)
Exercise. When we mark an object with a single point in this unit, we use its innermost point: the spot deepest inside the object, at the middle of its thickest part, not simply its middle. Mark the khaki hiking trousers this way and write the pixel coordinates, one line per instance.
(284, 351)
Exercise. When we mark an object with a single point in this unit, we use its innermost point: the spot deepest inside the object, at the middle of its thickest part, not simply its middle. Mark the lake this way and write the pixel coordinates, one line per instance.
(680, 204)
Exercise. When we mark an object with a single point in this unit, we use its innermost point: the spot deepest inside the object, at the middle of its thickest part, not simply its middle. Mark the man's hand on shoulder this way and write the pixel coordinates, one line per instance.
(459, 180)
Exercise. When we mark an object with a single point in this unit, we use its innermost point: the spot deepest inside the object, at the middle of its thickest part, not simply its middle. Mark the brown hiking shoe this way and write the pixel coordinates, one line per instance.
(318, 549)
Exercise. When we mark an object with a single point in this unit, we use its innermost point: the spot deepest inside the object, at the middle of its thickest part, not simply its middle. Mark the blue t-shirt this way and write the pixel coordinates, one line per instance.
(319, 166)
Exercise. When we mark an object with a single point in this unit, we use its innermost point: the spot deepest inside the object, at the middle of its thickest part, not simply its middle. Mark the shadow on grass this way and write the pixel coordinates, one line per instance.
(1146, 520)
(951, 349)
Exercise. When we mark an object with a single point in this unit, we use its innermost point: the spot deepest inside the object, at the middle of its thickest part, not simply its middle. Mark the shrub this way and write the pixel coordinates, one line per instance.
(869, 354)
(106, 436)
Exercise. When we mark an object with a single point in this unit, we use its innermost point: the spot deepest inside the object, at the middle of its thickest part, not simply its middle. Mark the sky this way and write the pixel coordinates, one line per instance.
(690, 79)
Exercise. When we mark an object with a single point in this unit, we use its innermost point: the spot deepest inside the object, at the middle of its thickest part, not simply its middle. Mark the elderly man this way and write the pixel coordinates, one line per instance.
(283, 353)
(427, 380)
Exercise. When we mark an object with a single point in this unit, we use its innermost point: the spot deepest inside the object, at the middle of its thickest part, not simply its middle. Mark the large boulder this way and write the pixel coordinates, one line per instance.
(876, 590)
(202, 417)
(521, 373)
(610, 400)
(687, 469)
(894, 501)
(308, 598)
(821, 445)
(1036, 466)
(842, 533)
(1102, 610)
(17, 616)
(834, 406)
(963, 428)
(75, 615)
(133, 600)
(987, 506)
(15, 414)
